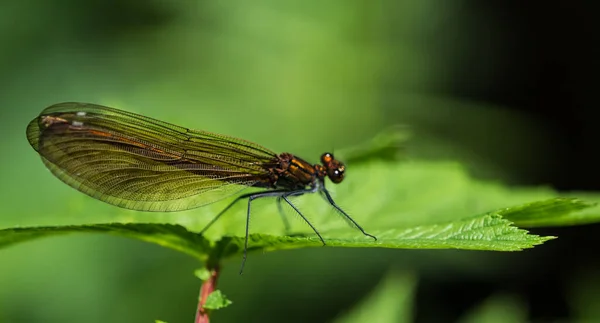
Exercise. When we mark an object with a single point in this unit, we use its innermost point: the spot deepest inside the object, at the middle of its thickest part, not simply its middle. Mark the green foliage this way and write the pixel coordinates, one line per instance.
(487, 232)
(202, 273)
(409, 205)
(216, 300)
(557, 212)
(390, 301)
(387, 145)
(221, 66)
(171, 236)
(406, 204)
(497, 309)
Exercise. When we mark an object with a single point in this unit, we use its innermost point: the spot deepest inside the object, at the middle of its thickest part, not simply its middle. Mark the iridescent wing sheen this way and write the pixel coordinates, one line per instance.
(141, 163)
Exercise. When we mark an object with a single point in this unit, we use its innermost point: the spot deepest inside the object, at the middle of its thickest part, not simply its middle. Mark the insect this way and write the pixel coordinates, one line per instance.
(136, 162)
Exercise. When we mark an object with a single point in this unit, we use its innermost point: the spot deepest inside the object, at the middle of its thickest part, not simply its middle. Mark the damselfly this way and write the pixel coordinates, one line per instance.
(140, 163)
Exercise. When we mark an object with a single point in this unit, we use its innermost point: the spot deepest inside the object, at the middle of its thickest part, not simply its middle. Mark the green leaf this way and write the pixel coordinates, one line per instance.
(167, 235)
(497, 309)
(202, 273)
(387, 145)
(412, 204)
(390, 301)
(555, 212)
(216, 300)
(487, 232)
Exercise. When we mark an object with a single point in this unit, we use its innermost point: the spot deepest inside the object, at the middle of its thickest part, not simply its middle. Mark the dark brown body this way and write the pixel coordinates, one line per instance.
(292, 173)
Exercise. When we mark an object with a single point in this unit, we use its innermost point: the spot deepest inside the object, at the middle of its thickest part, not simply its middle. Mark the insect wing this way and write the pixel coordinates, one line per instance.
(142, 163)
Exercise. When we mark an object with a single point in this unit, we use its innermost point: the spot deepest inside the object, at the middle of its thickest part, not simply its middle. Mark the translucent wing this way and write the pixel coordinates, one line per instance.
(142, 163)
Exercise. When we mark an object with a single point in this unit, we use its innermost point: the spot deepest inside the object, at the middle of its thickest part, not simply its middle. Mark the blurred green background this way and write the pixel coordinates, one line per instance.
(473, 81)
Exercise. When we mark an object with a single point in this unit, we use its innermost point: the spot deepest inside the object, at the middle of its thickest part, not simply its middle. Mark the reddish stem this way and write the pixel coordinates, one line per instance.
(208, 286)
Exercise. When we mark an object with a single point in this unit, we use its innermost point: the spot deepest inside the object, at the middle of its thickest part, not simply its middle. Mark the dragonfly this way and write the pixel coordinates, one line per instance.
(140, 163)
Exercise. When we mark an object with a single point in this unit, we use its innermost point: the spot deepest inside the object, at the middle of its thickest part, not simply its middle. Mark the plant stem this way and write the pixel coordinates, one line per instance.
(208, 286)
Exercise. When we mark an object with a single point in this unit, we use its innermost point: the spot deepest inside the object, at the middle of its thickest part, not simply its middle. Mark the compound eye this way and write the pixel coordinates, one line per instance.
(326, 158)
(336, 175)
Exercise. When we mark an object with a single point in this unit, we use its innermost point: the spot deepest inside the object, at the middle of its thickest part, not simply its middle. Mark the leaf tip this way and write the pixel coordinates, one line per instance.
(216, 300)
(202, 273)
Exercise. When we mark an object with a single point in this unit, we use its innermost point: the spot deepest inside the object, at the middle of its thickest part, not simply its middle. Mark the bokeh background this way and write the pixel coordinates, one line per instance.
(507, 88)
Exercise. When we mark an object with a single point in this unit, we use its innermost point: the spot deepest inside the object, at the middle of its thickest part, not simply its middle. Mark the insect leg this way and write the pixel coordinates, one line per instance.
(303, 217)
(330, 200)
(251, 197)
(237, 199)
(286, 223)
